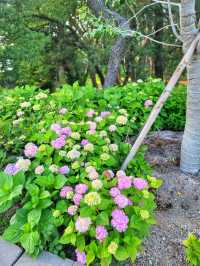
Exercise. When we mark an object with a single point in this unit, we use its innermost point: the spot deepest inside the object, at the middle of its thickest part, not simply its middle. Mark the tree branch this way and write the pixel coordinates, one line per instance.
(118, 50)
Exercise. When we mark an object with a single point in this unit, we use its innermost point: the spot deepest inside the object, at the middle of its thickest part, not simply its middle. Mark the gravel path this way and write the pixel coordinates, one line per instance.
(178, 201)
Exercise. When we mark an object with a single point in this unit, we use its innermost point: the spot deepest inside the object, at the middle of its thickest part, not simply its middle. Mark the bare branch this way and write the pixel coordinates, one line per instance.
(172, 21)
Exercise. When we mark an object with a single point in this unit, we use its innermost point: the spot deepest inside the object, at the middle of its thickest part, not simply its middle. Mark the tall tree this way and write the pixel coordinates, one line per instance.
(190, 153)
(99, 8)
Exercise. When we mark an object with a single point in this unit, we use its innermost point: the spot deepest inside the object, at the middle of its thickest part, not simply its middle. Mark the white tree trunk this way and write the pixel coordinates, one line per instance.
(190, 151)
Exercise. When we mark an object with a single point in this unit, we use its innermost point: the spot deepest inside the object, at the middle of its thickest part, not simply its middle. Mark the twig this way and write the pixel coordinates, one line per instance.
(172, 21)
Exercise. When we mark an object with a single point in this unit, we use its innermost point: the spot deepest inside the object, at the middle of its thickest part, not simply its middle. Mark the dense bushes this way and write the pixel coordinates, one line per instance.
(21, 123)
(61, 155)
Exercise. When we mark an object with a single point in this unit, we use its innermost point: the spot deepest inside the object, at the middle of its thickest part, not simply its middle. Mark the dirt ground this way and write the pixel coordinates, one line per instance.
(178, 203)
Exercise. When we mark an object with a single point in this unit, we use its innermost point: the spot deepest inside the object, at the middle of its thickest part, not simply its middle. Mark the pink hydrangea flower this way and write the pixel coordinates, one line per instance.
(64, 191)
(39, 169)
(120, 173)
(81, 188)
(11, 169)
(82, 224)
(140, 183)
(119, 220)
(84, 142)
(124, 182)
(93, 175)
(148, 103)
(90, 113)
(101, 232)
(64, 170)
(30, 150)
(121, 201)
(58, 143)
(114, 192)
(77, 199)
(92, 125)
(91, 132)
(56, 128)
(81, 257)
(72, 210)
(63, 111)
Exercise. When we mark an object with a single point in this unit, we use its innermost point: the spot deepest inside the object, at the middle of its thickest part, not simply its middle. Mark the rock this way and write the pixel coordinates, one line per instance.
(9, 253)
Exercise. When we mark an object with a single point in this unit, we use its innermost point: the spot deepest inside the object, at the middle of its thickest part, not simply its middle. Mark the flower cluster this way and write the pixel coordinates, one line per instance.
(72, 168)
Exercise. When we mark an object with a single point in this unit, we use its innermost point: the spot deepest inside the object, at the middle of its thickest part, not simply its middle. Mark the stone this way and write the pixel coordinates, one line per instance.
(9, 253)
(45, 259)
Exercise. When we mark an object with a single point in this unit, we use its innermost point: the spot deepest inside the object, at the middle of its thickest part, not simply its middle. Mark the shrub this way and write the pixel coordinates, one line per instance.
(192, 249)
(61, 155)
(20, 122)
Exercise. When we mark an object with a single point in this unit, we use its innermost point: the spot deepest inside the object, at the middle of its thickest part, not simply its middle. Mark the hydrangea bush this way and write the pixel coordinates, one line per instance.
(70, 191)
(60, 156)
(28, 110)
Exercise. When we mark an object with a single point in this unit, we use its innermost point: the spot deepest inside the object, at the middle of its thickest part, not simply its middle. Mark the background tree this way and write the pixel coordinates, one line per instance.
(190, 154)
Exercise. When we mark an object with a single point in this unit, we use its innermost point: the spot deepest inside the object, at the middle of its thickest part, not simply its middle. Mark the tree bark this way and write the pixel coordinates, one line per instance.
(190, 151)
(158, 49)
(119, 48)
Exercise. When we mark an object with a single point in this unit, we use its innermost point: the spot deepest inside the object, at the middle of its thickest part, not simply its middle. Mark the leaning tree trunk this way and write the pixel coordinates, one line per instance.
(119, 48)
(190, 151)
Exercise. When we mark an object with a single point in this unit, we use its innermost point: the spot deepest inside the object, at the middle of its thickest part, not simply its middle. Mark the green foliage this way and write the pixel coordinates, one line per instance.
(192, 250)
(43, 220)
(17, 128)
(10, 188)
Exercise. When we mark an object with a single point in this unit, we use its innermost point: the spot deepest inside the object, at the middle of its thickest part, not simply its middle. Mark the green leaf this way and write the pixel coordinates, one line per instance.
(16, 191)
(45, 181)
(60, 181)
(102, 218)
(6, 182)
(13, 233)
(19, 179)
(121, 254)
(34, 217)
(90, 257)
(80, 243)
(5, 206)
(30, 241)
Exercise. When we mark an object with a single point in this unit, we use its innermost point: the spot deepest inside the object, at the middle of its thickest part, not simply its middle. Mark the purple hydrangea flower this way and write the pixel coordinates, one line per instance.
(64, 170)
(66, 131)
(30, 150)
(101, 232)
(105, 113)
(77, 198)
(58, 143)
(124, 182)
(119, 220)
(84, 142)
(140, 183)
(81, 188)
(81, 257)
(64, 191)
(121, 201)
(11, 169)
(114, 192)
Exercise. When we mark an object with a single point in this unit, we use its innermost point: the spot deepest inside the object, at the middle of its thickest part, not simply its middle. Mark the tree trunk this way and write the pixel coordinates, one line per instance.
(119, 48)
(158, 49)
(190, 151)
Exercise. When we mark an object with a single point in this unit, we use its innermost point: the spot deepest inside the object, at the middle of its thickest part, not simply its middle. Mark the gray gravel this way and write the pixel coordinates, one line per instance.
(178, 204)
